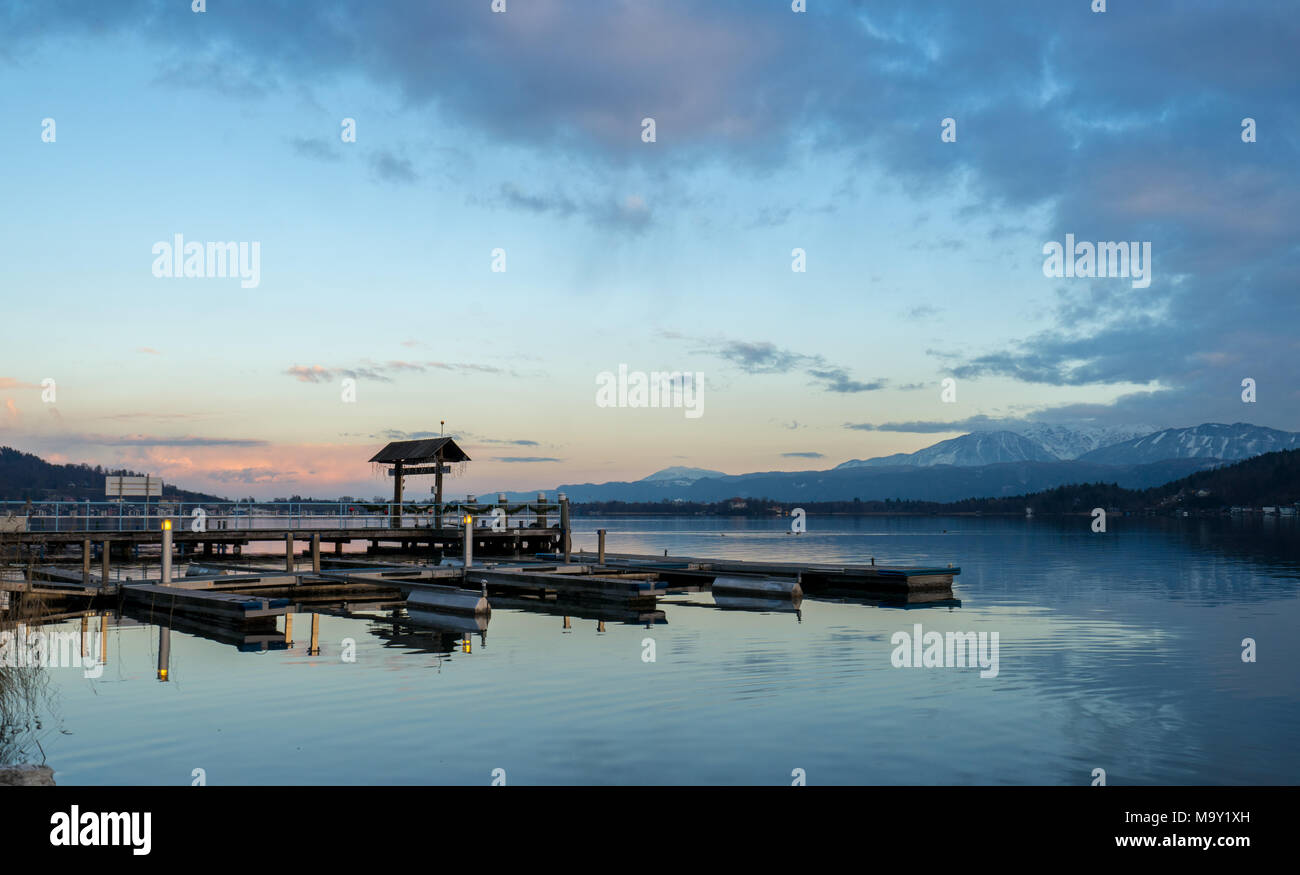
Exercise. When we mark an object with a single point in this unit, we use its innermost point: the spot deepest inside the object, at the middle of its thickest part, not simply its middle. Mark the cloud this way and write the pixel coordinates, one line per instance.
(1095, 121)
(315, 148)
(762, 357)
(808, 455)
(393, 434)
(838, 380)
(141, 440)
(382, 372)
(149, 350)
(970, 423)
(628, 213)
(252, 475)
(526, 459)
(557, 204)
(386, 166)
(920, 312)
(156, 416)
(11, 383)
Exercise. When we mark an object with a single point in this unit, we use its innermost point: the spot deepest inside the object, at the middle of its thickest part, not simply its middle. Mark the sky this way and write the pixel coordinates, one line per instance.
(517, 139)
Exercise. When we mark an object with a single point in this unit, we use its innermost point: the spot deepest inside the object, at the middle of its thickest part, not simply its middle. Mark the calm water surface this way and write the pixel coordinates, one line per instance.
(1119, 651)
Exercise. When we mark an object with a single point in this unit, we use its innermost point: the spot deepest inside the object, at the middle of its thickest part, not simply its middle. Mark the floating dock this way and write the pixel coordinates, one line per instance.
(226, 608)
(904, 583)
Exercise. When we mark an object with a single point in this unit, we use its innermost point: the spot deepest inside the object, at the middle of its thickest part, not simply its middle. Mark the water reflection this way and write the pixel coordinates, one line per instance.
(1121, 652)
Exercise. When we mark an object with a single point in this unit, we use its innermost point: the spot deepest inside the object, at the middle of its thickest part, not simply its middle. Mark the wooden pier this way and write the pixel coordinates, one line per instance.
(487, 542)
(632, 582)
(526, 568)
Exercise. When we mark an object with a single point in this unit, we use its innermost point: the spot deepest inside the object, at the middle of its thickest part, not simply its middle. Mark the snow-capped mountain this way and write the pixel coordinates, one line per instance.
(977, 448)
(1211, 440)
(1072, 441)
(679, 475)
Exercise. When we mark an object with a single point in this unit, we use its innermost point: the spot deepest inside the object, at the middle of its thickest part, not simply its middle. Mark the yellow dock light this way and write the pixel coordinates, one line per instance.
(167, 525)
(162, 674)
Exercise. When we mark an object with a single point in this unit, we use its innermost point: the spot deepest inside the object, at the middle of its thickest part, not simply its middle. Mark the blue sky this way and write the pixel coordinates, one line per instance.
(522, 131)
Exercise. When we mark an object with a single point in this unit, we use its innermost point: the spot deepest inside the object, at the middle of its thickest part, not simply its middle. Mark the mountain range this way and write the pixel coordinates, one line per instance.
(980, 464)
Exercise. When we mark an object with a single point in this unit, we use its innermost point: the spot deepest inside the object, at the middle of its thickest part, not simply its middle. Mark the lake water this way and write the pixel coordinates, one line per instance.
(1120, 651)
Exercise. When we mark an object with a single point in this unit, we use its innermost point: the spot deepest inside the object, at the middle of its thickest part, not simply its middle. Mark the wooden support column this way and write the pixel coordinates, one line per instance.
(338, 548)
(437, 488)
(566, 541)
(600, 549)
(104, 554)
(288, 551)
(397, 495)
(315, 552)
(85, 561)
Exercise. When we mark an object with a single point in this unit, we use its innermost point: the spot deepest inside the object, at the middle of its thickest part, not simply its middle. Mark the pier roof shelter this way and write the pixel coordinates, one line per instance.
(406, 456)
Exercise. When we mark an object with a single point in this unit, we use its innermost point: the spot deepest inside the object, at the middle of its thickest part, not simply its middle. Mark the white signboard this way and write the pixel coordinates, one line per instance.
(133, 487)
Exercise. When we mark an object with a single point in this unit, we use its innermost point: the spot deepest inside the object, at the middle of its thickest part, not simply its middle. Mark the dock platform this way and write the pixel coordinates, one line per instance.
(219, 607)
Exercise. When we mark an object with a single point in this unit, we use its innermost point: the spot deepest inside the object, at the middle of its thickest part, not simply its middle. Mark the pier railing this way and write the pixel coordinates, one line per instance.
(215, 516)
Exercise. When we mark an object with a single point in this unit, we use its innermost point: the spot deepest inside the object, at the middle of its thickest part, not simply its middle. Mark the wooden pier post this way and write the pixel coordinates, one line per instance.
(85, 636)
(288, 628)
(396, 518)
(600, 546)
(565, 540)
(338, 548)
(104, 554)
(85, 561)
(288, 551)
(468, 532)
(315, 552)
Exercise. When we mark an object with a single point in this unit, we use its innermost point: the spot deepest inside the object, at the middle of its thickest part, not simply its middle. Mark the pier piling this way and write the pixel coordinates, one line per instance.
(564, 526)
(166, 552)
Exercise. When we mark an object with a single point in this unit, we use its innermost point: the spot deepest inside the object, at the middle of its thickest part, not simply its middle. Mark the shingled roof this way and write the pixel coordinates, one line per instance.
(421, 451)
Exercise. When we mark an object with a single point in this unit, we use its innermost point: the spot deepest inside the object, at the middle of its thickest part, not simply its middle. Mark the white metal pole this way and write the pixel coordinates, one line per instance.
(166, 552)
